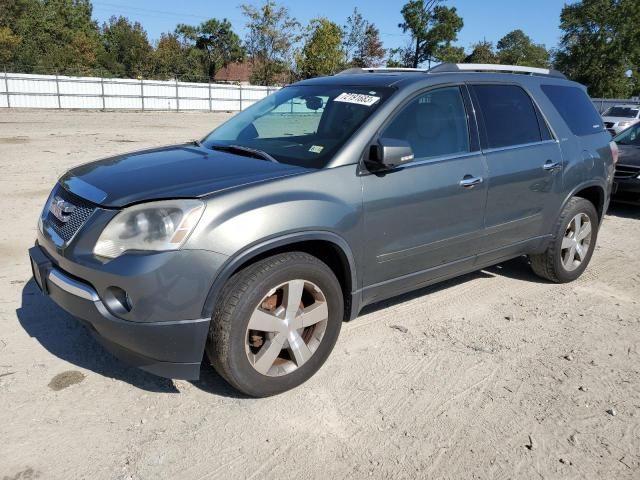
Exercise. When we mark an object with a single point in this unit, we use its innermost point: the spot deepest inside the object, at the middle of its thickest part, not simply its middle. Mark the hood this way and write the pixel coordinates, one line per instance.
(170, 172)
(629, 155)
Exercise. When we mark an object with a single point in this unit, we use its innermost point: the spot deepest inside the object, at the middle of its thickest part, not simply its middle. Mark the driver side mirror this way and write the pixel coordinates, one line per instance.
(390, 153)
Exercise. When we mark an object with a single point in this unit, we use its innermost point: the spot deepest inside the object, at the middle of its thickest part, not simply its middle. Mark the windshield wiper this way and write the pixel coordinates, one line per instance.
(246, 151)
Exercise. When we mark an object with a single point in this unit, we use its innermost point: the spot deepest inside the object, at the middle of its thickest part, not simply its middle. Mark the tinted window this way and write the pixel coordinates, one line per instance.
(508, 115)
(434, 123)
(575, 108)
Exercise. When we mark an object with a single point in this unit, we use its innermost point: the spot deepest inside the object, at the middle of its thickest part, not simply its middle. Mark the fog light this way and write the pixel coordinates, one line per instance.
(118, 300)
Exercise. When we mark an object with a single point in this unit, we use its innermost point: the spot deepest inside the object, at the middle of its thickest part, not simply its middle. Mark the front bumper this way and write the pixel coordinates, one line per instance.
(172, 349)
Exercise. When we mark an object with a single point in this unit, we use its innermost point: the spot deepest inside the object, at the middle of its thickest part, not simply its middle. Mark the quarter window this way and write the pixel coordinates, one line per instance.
(434, 124)
(508, 115)
(575, 108)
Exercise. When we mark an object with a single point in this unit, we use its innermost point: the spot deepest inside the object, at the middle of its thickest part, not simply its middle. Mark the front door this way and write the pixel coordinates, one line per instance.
(424, 219)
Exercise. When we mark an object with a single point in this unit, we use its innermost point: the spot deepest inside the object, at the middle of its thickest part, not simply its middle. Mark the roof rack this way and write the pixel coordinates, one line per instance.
(485, 67)
(355, 71)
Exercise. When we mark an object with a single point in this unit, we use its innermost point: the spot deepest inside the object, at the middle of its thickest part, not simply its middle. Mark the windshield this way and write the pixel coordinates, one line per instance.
(631, 136)
(626, 112)
(302, 125)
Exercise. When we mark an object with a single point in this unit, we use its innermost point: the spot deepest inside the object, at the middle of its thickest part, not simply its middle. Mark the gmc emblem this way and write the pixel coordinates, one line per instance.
(61, 209)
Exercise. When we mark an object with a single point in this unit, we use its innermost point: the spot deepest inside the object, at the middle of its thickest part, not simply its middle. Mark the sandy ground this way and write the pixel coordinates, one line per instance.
(498, 374)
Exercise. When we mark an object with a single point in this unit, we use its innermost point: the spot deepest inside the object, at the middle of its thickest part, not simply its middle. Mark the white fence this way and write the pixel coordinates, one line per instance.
(18, 90)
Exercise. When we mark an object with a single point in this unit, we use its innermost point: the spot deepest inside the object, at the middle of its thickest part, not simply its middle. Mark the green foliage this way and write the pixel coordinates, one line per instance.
(50, 35)
(401, 57)
(272, 35)
(171, 59)
(600, 44)
(127, 52)
(482, 52)
(361, 42)
(516, 48)
(216, 42)
(433, 29)
(322, 52)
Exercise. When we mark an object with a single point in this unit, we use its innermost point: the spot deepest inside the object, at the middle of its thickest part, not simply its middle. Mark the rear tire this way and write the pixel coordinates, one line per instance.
(276, 324)
(572, 245)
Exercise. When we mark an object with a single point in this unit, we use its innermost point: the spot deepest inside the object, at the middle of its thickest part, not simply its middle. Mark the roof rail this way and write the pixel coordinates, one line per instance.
(355, 71)
(486, 67)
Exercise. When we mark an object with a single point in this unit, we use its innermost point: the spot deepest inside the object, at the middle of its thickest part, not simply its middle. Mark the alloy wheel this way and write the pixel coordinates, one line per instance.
(576, 242)
(286, 328)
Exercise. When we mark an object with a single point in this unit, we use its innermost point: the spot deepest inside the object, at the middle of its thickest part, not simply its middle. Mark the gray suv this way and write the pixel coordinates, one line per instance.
(257, 242)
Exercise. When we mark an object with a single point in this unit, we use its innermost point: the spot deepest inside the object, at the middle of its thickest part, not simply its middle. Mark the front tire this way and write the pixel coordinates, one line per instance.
(276, 324)
(572, 245)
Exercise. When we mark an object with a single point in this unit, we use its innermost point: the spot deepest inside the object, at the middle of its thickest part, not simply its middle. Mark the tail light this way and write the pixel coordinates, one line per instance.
(615, 153)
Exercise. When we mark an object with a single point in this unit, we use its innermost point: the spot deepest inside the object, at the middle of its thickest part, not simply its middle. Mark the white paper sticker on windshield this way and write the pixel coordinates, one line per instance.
(357, 98)
(316, 148)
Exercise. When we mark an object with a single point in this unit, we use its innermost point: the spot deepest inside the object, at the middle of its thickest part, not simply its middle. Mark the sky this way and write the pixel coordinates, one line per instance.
(488, 19)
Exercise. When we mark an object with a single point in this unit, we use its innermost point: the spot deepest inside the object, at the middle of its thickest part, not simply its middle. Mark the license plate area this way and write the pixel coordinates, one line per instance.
(40, 267)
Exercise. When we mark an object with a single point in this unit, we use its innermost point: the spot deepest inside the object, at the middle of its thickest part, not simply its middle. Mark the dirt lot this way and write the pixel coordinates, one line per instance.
(497, 375)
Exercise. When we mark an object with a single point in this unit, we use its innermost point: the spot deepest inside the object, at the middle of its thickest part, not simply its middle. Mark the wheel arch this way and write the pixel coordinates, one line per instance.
(327, 246)
(593, 192)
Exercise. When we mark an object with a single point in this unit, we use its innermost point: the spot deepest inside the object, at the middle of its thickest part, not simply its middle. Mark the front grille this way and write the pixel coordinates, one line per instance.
(608, 124)
(626, 171)
(77, 218)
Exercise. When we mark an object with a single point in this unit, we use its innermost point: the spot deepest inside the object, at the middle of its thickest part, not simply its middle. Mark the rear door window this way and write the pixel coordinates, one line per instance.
(508, 115)
(575, 108)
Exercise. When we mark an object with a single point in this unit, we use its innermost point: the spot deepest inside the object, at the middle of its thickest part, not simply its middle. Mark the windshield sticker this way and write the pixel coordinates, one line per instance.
(357, 98)
(316, 148)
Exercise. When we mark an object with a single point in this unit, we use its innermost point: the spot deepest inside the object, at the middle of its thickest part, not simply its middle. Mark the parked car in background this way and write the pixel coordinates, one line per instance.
(619, 117)
(627, 177)
(256, 243)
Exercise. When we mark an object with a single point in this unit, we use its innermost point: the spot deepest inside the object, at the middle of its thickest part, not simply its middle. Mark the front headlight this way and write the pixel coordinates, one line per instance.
(164, 225)
(624, 124)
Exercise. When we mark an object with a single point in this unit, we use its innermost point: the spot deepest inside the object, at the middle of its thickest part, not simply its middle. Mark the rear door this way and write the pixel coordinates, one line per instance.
(524, 165)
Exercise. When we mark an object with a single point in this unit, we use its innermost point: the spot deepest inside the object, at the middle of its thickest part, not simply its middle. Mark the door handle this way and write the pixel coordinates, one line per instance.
(550, 166)
(469, 182)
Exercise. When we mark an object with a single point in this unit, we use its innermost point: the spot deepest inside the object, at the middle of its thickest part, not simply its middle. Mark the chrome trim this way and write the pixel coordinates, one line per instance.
(501, 68)
(551, 166)
(441, 158)
(522, 145)
(72, 286)
(57, 240)
(470, 182)
(83, 189)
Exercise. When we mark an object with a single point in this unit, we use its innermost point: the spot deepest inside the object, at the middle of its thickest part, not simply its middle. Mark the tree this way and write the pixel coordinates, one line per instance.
(127, 52)
(52, 35)
(9, 43)
(516, 48)
(433, 28)
(600, 44)
(482, 52)
(171, 59)
(353, 33)
(322, 53)
(362, 45)
(401, 57)
(272, 34)
(216, 41)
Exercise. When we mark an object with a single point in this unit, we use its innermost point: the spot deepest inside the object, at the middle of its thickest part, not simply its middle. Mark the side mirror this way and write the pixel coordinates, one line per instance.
(390, 153)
